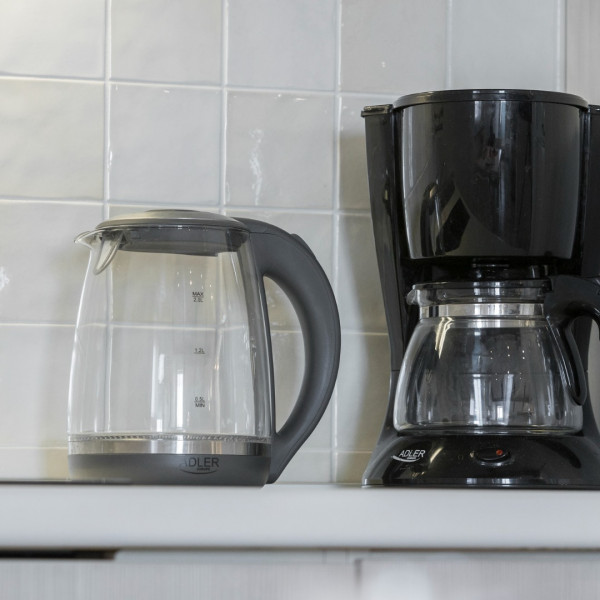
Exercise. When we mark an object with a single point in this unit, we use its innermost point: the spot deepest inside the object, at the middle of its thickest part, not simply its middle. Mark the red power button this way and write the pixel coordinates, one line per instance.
(492, 455)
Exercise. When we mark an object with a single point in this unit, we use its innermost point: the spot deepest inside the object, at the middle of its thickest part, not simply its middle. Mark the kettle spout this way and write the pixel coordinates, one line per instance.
(104, 246)
(86, 239)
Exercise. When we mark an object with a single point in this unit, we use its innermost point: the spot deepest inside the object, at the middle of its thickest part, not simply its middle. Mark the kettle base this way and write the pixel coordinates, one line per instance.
(171, 469)
(487, 461)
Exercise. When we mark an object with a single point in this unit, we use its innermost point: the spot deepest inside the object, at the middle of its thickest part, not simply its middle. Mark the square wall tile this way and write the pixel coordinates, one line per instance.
(308, 466)
(512, 44)
(52, 142)
(62, 38)
(362, 391)
(17, 462)
(164, 145)
(396, 46)
(280, 150)
(288, 367)
(282, 44)
(594, 373)
(354, 185)
(166, 40)
(35, 384)
(359, 290)
(350, 466)
(315, 229)
(582, 49)
(41, 269)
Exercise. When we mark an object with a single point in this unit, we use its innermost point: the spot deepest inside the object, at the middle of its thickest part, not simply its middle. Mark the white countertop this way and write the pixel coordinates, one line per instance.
(64, 516)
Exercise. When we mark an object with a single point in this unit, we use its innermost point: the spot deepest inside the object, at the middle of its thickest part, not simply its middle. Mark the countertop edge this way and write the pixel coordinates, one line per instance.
(59, 516)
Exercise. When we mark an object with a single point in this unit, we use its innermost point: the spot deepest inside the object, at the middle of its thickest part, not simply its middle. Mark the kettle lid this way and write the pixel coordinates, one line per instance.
(169, 231)
(171, 217)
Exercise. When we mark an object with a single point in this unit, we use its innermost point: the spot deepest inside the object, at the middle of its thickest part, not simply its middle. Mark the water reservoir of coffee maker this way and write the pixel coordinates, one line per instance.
(483, 359)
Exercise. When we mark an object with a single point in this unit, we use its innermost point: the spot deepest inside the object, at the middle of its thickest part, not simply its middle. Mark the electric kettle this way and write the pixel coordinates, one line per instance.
(172, 375)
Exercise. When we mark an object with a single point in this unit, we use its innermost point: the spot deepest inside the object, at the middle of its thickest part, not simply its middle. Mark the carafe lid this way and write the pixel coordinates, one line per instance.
(479, 292)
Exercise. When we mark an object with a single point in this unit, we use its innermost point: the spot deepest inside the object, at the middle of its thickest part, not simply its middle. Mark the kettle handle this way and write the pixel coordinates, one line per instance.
(289, 262)
(571, 297)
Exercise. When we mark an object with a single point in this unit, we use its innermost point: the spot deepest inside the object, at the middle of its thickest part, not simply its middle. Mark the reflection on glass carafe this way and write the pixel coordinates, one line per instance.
(483, 359)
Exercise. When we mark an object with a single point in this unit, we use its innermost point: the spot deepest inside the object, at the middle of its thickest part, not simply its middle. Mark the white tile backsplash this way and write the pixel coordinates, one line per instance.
(348, 467)
(362, 391)
(280, 150)
(62, 38)
(391, 46)
(315, 228)
(278, 44)
(288, 362)
(34, 371)
(582, 48)
(164, 144)
(354, 187)
(52, 139)
(175, 41)
(308, 466)
(510, 45)
(359, 290)
(41, 268)
(112, 106)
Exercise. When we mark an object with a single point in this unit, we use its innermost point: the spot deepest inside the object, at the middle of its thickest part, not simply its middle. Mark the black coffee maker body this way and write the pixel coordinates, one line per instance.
(486, 217)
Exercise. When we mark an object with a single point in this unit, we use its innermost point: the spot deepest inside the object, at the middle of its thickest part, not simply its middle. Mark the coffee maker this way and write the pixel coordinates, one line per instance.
(486, 211)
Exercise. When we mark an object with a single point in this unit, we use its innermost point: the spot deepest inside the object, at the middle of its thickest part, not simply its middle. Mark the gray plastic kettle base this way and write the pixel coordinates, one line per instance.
(171, 469)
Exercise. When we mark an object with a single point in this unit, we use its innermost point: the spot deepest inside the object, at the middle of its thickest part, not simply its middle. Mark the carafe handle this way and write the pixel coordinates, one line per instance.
(289, 262)
(571, 297)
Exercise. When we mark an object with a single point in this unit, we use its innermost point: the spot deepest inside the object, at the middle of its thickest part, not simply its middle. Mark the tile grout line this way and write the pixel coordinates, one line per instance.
(350, 212)
(224, 102)
(561, 46)
(380, 96)
(107, 108)
(335, 221)
(449, 22)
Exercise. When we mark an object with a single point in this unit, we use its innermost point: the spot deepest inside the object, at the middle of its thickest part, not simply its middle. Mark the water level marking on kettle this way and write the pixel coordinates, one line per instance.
(199, 350)
(199, 401)
(198, 296)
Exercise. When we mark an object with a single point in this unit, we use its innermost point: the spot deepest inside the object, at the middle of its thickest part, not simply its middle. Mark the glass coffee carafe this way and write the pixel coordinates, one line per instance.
(484, 359)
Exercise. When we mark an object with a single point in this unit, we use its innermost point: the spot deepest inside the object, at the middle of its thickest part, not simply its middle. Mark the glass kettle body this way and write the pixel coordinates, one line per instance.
(171, 378)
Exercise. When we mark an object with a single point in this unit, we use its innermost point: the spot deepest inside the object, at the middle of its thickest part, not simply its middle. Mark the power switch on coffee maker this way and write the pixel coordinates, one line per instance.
(492, 455)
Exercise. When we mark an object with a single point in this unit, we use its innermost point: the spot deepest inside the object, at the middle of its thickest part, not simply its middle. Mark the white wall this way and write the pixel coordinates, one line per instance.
(252, 108)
